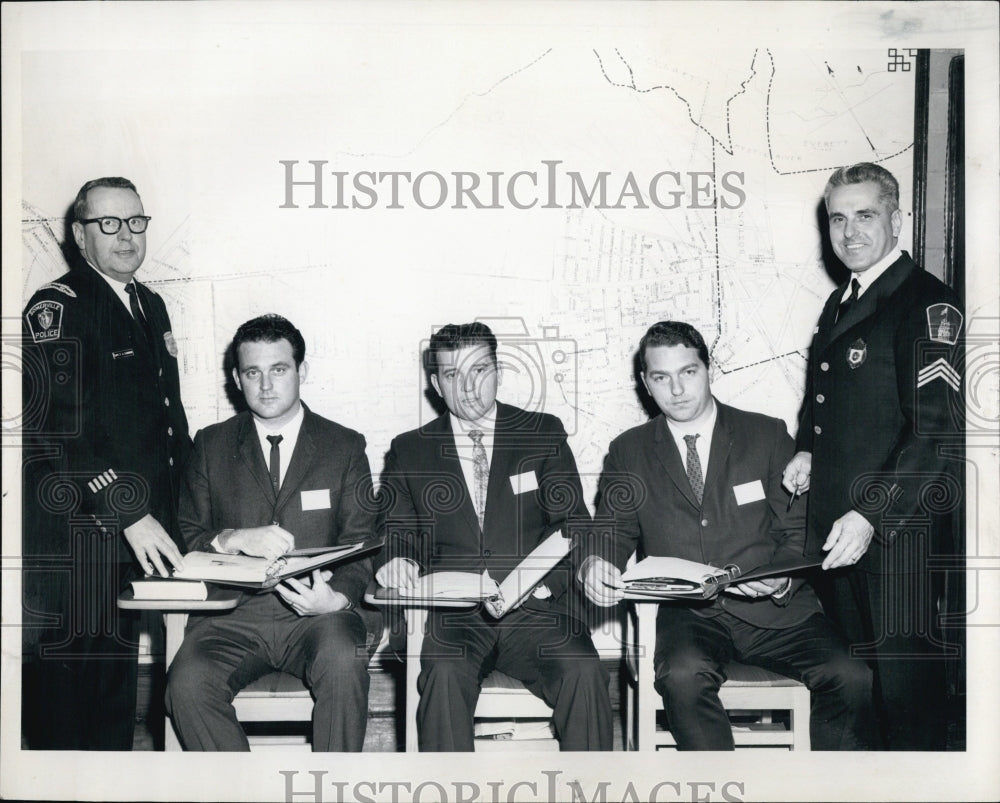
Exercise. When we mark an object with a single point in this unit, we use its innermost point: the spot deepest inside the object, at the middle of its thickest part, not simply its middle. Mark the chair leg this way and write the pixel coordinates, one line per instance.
(416, 619)
(174, 623)
(647, 700)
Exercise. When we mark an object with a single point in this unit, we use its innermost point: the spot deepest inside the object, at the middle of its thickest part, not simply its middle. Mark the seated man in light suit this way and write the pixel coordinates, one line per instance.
(477, 489)
(266, 481)
(703, 482)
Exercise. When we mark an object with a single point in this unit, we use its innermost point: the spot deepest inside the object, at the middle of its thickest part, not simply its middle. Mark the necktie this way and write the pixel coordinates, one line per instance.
(275, 462)
(480, 474)
(133, 303)
(845, 305)
(694, 468)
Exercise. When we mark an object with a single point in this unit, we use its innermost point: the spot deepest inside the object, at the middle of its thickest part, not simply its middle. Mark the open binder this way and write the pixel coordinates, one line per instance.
(675, 578)
(260, 573)
(498, 598)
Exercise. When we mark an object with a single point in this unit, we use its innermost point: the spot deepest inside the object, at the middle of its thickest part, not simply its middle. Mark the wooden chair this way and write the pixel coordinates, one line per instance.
(275, 697)
(747, 689)
(502, 698)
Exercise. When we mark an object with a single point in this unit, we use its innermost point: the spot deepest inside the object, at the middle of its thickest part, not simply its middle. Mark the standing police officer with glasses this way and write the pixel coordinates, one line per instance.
(105, 439)
(879, 448)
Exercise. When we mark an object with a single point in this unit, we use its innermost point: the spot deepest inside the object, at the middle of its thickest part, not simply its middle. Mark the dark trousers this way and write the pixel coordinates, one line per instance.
(891, 620)
(78, 684)
(222, 654)
(690, 658)
(550, 652)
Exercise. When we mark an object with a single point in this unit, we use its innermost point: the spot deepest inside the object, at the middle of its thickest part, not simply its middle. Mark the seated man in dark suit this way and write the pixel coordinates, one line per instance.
(476, 490)
(703, 482)
(268, 480)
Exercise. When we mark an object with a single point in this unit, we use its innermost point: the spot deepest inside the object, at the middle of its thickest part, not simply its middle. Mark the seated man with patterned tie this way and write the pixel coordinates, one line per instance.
(703, 482)
(476, 490)
(268, 480)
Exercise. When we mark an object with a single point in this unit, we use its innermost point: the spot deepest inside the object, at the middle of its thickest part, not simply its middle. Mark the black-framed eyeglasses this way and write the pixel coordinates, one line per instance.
(112, 225)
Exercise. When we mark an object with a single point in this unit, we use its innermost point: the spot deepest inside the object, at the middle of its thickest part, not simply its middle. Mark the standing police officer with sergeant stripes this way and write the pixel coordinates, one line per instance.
(879, 450)
(105, 440)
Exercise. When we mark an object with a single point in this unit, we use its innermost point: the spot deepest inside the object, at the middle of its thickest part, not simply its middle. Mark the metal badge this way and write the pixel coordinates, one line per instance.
(857, 353)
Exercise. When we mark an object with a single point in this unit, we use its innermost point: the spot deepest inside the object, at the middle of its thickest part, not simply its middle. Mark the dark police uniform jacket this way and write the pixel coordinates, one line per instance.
(883, 411)
(105, 434)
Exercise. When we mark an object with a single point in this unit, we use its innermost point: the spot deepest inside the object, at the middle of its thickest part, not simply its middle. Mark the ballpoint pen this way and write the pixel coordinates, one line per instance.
(792, 498)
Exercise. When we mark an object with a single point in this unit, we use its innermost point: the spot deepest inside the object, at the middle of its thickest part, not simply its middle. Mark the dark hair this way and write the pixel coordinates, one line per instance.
(269, 328)
(115, 182)
(454, 336)
(672, 333)
(888, 187)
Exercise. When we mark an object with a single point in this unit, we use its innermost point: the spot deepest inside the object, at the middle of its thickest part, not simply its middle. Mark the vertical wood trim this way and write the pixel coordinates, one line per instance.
(921, 100)
(954, 201)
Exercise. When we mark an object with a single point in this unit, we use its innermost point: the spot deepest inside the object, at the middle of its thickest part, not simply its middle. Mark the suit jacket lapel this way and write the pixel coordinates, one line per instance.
(443, 456)
(253, 457)
(672, 461)
(300, 461)
(718, 455)
(500, 464)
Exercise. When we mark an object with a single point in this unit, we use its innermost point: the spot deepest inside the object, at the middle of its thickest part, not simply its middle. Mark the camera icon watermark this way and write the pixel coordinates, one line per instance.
(538, 371)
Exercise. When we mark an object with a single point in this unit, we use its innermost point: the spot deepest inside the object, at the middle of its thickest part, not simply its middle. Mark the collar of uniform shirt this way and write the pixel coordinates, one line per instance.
(867, 277)
(289, 437)
(704, 443)
(119, 290)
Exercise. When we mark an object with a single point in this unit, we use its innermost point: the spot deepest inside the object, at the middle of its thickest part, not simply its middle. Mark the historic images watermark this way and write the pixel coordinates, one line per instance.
(552, 785)
(548, 187)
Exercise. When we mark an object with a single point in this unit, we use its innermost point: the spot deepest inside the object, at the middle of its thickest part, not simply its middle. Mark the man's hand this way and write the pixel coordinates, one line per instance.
(796, 475)
(269, 542)
(602, 582)
(767, 587)
(398, 573)
(312, 597)
(848, 540)
(150, 543)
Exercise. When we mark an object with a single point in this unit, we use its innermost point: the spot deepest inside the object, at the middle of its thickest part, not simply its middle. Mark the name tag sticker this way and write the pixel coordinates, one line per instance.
(120, 355)
(749, 492)
(316, 500)
(524, 483)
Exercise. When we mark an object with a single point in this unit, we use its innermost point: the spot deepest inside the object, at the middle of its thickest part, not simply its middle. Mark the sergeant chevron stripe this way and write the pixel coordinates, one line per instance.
(940, 368)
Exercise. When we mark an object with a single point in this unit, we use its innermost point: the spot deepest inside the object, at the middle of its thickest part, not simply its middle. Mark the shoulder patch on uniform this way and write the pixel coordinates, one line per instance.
(45, 321)
(944, 323)
(62, 288)
(171, 344)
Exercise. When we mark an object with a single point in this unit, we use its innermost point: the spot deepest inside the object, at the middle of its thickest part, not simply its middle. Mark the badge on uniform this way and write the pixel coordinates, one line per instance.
(857, 353)
(944, 322)
(45, 321)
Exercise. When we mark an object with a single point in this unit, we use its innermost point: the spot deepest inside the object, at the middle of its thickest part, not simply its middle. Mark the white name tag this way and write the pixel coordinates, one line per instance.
(316, 500)
(523, 483)
(749, 492)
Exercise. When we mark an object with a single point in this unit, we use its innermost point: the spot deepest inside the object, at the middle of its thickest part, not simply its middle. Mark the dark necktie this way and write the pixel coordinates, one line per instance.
(133, 303)
(694, 468)
(275, 462)
(480, 474)
(846, 304)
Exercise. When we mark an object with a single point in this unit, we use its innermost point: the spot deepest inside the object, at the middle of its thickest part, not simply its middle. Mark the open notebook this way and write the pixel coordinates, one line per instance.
(675, 578)
(499, 598)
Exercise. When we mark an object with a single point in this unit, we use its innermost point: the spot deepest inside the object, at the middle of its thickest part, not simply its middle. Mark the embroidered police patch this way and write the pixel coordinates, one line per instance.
(62, 288)
(45, 321)
(944, 323)
(857, 353)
